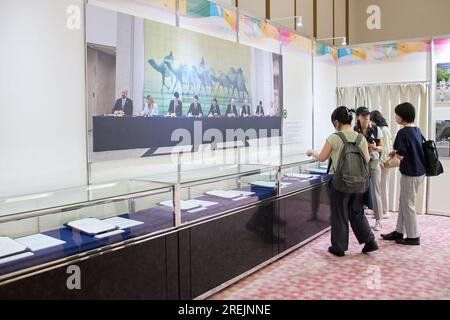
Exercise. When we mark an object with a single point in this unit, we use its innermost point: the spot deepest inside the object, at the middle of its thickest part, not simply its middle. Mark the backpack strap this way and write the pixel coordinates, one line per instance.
(342, 136)
(359, 139)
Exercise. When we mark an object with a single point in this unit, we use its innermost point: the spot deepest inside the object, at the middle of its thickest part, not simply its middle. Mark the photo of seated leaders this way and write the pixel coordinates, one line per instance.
(175, 107)
(259, 110)
(123, 104)
(195, 109)
(231, 110)
(150, 108)
(214, 111)
(245, 110)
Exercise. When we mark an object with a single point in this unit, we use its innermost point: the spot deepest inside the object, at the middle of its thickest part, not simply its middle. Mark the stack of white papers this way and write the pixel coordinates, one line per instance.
(226, 194)
(122, 223)
(39, 241)
(9, 247)
(185, 204)
(299, 175)
(91, 226)
(270, 184)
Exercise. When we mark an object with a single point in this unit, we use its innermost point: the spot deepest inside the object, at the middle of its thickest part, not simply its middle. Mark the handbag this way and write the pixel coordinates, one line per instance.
(392, 163)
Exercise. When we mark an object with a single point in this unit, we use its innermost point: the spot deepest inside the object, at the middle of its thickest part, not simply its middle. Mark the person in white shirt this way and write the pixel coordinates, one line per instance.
(272, 110)
(377, 118)
(150, 109)
(374, 137)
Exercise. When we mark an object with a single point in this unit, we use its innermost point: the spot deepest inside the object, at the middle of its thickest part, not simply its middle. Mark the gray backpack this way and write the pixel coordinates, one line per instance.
(352, 173)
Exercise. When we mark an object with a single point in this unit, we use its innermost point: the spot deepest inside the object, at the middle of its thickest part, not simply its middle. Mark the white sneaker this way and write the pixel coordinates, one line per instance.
(368, 212)
(377, 226)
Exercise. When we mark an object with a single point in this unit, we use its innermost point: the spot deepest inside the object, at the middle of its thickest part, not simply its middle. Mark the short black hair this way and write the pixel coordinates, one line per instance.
(196, 97)
(215, 100)
(406, 111)
(343, 115)
(176, 95)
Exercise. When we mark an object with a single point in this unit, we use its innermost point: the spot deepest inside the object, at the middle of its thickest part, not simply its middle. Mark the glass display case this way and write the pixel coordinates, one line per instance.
(40, 228)
(298, 171)
(219, 189)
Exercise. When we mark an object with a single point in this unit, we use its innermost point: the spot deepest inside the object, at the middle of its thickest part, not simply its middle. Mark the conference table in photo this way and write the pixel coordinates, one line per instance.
(112, 133)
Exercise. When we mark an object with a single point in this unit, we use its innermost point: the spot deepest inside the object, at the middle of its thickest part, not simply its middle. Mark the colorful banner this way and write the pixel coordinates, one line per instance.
(294, 43)
(350, 56)
(442, 49)
(324, 53)
(208, 18)
(259, 34)
(383, 53)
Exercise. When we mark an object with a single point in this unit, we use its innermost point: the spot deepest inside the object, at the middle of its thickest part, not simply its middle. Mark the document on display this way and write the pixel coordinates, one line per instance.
(225, 194)
(9, 247)
(122, 223)
(39, 241)
(185, 204)
(91, 226)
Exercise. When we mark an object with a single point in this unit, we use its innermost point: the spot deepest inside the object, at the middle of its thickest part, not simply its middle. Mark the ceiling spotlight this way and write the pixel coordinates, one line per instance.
(344, 41)
(300, 21)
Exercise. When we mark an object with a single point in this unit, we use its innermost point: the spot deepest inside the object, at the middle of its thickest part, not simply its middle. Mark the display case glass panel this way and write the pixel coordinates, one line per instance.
(219, 189)
(301, 171)
(41, 228)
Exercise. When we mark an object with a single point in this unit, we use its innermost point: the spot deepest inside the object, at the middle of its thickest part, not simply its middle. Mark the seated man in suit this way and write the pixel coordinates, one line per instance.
(259, 110)
(214, 111)
(231, 110)
(245, 110)
(175, 107)
(124, 104)
(195, 109)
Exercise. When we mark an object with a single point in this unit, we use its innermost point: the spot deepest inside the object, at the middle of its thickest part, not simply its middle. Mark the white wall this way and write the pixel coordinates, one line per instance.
(325, 82)
(407, 71)
(439, 186)
(43, 123)
(298, 100)
(101, 26)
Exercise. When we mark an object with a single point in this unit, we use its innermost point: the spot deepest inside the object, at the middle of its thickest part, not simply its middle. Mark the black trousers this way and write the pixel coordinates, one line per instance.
(347, 207)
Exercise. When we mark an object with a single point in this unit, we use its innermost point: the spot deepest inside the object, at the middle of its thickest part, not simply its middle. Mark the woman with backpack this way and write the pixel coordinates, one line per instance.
(408, 149)
(349, 155)
(374, 137)
(377, 118)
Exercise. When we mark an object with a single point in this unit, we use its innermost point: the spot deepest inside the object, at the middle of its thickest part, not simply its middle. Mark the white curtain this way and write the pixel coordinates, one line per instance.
(385, 98)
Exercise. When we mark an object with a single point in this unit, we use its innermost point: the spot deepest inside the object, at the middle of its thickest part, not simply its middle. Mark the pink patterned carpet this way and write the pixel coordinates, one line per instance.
(392, 272)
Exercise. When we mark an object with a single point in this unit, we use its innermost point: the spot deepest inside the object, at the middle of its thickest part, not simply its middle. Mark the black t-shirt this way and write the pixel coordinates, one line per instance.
(408, 144)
